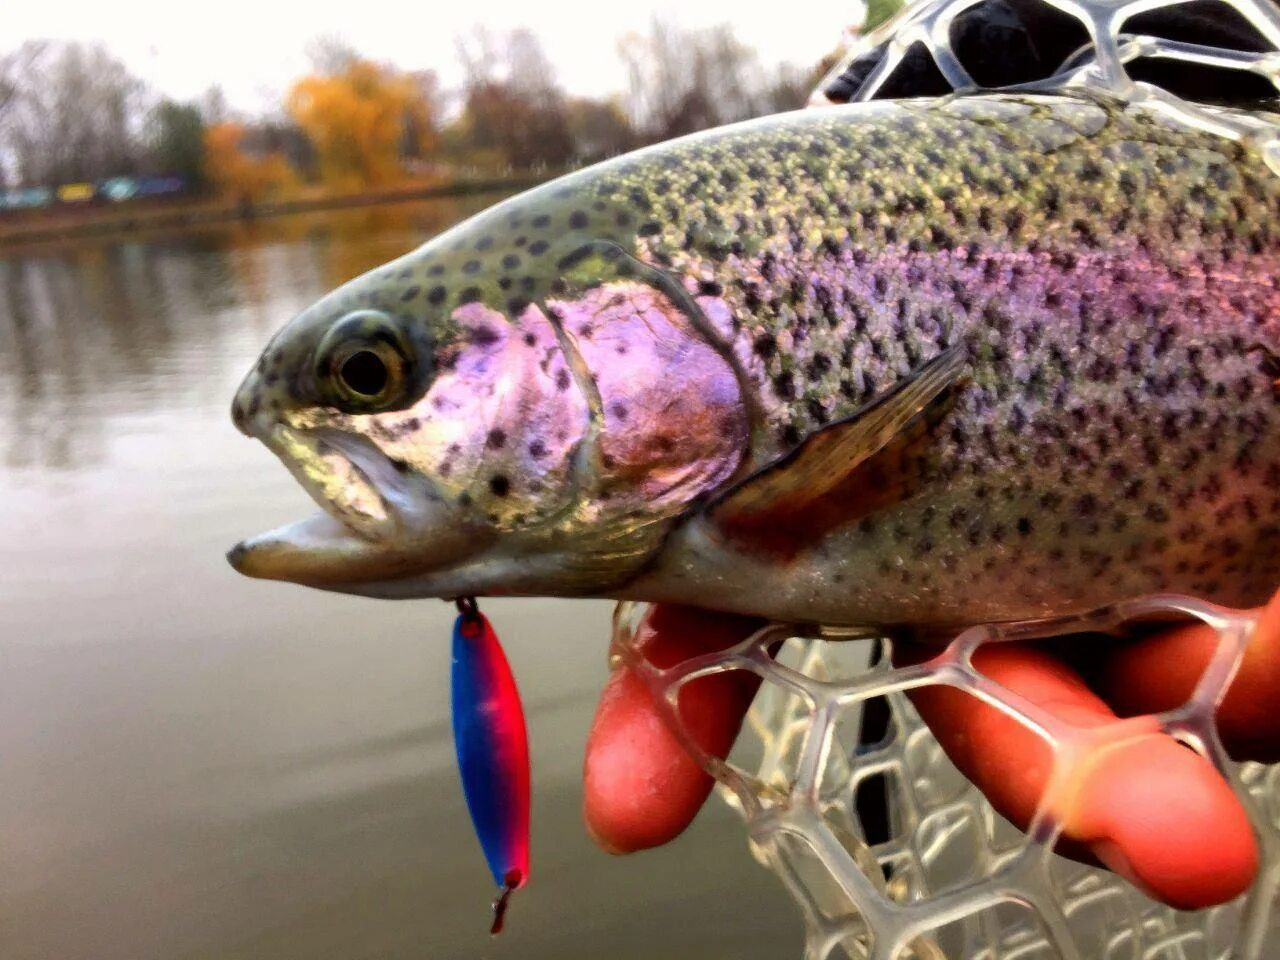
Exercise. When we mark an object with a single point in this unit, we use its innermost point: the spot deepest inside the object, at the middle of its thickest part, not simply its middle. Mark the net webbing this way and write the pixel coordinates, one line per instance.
(944, 877)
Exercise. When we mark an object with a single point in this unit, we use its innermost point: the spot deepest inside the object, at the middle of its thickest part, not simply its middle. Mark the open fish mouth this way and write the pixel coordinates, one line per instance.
(354, 536)
(342, 475)
(377, 524)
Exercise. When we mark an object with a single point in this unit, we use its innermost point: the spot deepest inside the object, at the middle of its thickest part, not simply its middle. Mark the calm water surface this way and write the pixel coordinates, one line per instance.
(197, 765)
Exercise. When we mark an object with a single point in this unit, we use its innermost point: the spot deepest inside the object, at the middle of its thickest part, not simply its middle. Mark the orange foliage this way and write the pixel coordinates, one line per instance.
(236, 173)
(358, 120)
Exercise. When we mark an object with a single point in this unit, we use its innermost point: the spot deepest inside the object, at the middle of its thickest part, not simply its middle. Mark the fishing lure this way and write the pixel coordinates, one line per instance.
(493, 751)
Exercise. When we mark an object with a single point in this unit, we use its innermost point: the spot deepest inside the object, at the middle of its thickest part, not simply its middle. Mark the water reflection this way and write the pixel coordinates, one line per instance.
(80, 321)
(197, 765)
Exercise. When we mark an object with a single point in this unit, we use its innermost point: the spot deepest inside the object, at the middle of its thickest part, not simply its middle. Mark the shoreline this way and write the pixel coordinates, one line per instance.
(65, 224)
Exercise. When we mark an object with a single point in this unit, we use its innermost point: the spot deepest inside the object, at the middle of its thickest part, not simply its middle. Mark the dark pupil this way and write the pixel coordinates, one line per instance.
(365, 373)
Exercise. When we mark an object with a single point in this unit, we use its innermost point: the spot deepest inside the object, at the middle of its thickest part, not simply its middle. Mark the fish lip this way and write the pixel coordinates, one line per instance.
(343, 474)
(317, 551)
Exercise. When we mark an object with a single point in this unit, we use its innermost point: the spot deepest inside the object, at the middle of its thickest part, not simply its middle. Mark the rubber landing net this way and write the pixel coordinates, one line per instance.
(944, 877)
(937, 874)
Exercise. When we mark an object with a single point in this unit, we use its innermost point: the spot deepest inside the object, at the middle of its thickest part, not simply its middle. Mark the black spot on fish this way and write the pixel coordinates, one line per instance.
(578, 220)
(499, 485)
(538, 247)
(571, 260)
(541, 222)
(436, 295)
(510, 261)
(483, 335)
(470, 295)
(562, 380)
(496, 439)
(517, 305)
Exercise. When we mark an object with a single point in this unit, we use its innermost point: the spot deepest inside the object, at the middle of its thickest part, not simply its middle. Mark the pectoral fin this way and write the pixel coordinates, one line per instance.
(844, 471)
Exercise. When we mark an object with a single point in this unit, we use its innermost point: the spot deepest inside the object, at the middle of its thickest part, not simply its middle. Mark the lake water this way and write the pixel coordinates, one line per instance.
(193, 764)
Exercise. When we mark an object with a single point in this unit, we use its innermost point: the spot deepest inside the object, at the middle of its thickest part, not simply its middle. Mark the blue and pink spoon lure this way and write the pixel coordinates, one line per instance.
(492, 744)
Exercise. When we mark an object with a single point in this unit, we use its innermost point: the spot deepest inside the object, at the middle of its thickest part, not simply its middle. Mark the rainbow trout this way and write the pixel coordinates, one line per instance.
(926, 362)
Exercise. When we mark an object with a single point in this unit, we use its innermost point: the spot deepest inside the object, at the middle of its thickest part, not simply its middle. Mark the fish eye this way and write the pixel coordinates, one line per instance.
(364, 363)
(364, 373)
(368, 374)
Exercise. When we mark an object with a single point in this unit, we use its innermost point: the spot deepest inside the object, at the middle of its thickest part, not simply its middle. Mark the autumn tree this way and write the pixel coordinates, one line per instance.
(356, 118)
(239, 175)
(420, 138)
(599, 129)
(513, 108)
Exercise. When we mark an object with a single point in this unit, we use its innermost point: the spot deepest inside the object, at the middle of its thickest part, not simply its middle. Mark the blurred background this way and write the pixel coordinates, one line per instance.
(196, 765)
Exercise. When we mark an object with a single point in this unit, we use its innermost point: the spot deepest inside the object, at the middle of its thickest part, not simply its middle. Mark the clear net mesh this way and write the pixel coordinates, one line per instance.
(1135, 49)
(937, 874)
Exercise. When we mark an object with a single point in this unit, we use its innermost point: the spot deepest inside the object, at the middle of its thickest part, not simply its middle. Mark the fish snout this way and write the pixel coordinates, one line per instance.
(261, 402)
(238, 556)
(247, 404)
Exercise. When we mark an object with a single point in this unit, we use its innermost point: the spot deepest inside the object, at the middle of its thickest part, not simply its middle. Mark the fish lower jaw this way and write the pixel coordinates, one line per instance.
(318, 551)
(324, 552)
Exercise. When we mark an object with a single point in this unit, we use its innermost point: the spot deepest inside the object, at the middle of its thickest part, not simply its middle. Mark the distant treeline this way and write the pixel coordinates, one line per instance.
(74, 119)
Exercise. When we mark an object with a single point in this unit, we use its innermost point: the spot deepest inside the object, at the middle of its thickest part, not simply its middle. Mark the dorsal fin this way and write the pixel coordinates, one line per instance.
(846, 470)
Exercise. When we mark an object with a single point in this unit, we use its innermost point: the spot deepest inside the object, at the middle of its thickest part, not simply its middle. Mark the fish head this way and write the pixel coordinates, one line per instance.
(492, 414)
